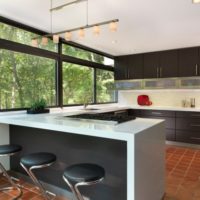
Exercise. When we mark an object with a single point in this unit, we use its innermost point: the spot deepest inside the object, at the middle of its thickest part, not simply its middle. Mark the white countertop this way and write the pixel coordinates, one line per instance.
(57, 122)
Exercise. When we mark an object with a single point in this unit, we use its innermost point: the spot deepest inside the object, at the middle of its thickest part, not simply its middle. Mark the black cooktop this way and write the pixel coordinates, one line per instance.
(104, 116)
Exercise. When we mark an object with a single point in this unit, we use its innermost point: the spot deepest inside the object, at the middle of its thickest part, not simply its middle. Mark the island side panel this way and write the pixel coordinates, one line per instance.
(5, 139)
(150, 163)
(70, 149)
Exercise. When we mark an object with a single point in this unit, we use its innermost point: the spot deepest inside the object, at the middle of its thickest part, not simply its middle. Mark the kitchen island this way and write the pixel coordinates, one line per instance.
(132, 152)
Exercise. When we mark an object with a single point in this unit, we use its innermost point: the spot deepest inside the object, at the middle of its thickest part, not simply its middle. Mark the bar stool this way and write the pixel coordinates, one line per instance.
(38, 161)
(9, 150)
(83, 174)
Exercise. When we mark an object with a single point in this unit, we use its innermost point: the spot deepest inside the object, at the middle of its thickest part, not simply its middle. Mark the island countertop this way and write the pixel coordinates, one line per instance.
(58, 122)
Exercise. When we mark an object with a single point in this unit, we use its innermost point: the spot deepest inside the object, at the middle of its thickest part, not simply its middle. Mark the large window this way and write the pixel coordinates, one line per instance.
(24, 37)
(105, 86)
(25, 78)
(86, 55)
(77, 84)
(29, 74)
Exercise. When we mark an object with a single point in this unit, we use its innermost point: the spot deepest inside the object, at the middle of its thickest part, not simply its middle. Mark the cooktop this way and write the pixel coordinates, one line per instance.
(103, 116)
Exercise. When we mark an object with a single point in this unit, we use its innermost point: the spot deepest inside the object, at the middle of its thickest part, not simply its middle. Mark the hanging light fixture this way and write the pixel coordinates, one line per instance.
(68, 36)
(81, 30)
(44, 41)
(113, 26)
(195, 1)
(34, 42)
(81, 33)
(96, 30)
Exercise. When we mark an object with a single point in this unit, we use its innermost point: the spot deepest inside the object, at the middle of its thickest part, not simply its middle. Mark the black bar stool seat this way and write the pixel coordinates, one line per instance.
(83, 174)
(37, 161)
(10, 150)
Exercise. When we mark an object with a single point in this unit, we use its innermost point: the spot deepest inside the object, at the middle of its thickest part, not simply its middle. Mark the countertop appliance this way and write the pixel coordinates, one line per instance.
(116, 118)
(143, 100)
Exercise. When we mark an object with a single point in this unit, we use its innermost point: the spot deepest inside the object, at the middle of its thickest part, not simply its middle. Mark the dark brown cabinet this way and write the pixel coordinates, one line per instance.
(121, 64)
(129, 67)
(168, 64)
(168, 116)
(151, 65)
(189, 62)
(135, 66)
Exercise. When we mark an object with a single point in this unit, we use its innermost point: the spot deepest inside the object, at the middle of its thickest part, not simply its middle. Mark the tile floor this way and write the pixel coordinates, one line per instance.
(182, 177)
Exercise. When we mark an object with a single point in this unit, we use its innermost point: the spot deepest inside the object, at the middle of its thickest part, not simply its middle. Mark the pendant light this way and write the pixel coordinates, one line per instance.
(96, 30)
(113, 26)
(34, 42)
(195, 1)
(56, 39)
(68, 36)
(81, 33)
(44, 41)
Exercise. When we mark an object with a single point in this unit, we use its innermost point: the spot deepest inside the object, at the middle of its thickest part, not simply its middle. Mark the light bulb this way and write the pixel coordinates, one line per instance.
(195, 1)
(34, 42)
(44, 41)
(81, 33)
(113, 26)
(56, 39)
(68, 36)
(96, 30)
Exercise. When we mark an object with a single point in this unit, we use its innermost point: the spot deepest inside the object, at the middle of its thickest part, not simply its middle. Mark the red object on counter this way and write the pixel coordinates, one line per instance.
(143, 100)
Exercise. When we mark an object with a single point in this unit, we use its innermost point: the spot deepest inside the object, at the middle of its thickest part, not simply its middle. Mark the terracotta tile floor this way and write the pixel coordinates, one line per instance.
(182, 177)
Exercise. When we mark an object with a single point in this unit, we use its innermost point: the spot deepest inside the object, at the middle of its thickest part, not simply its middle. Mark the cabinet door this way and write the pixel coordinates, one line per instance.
(168, 64)
(151, 65)
(135, 67)
(188, 62)
(121, 64)
(170, 134)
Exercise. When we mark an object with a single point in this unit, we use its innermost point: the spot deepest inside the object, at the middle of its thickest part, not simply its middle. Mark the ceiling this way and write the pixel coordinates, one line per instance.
(145, 26)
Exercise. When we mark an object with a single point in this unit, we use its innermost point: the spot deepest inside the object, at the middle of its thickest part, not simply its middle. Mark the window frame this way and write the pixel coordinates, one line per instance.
(59, 57)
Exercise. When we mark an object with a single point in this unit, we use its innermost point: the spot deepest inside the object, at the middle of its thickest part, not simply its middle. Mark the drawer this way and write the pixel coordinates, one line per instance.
(134, 112)
(192, 137)
(188, 114)
(169, 121)
(158, 113)
(170, 134)
(192, 124)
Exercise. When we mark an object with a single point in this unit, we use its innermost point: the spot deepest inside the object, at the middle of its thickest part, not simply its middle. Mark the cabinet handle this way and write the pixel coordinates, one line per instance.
(157, 72)
(156, 113)
(195, 125)
(195, 138)
(195, 115)
(196, 69)
(160, 72)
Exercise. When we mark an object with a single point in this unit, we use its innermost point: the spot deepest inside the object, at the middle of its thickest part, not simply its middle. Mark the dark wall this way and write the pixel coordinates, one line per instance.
(70, 149)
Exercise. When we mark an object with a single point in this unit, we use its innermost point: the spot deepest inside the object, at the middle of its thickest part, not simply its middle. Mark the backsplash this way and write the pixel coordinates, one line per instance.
(159, 97)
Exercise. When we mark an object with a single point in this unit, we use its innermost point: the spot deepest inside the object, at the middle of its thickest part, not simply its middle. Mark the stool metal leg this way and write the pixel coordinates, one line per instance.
(13, 185)
(75, 189)
(35, 180)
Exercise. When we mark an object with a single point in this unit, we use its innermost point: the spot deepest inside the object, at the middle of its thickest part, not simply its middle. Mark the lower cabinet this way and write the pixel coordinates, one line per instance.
(192, 137)
(170, 134)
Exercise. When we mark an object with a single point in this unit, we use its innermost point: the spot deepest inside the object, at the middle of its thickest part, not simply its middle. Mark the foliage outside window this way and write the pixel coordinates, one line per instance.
(105, 86)
(14, 34)
(77, 84)
(26, 78)
(86, 55)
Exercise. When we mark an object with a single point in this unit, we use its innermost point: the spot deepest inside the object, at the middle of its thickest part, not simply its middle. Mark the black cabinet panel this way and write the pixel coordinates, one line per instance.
(188, 114)
(121, 64)
(190, 124)
(135, 66)
(168, 64)
(188, 62)
(192, 137)
(151, 65)
(158, 113)
(170, 134)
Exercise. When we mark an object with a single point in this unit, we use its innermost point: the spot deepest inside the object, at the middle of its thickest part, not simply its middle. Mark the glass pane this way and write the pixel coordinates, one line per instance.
(25, 78)
(105, 86)
(77, 84)
(86, 55)
(14, 34)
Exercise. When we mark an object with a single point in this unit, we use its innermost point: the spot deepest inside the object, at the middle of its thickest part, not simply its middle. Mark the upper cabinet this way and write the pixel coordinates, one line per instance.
(189, 62)
(163, 64)
(129, 67)
(135, 66)
(151, 65)
(168, 64)
(121, 64)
